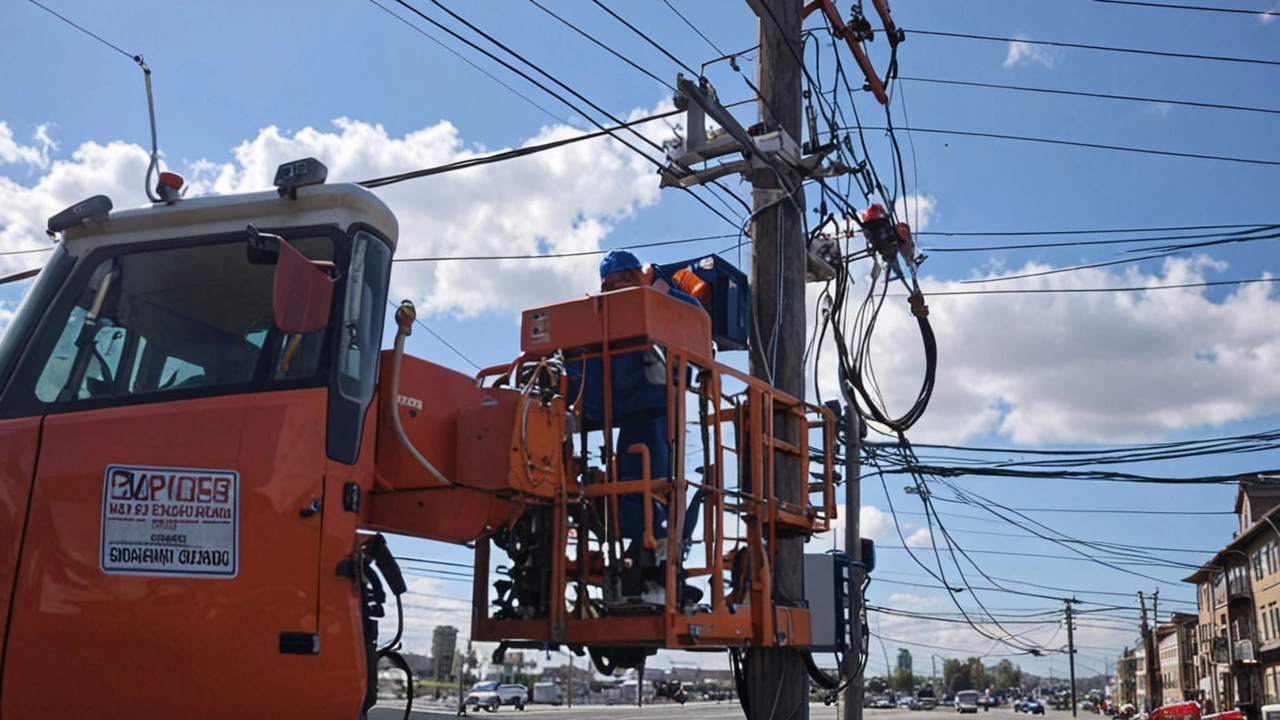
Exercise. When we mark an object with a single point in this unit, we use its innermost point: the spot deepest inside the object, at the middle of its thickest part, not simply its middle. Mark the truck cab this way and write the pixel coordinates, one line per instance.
(181, 476)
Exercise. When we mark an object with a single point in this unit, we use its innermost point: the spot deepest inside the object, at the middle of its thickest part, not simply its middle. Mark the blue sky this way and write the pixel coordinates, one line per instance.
(242, 86)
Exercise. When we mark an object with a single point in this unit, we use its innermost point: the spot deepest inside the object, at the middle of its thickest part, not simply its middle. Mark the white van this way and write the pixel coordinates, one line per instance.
(548, 692)
(967, 701)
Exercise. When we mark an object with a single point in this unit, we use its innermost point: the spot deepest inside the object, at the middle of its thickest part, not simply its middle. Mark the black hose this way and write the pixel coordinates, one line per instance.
(738, 661)
(817, 674)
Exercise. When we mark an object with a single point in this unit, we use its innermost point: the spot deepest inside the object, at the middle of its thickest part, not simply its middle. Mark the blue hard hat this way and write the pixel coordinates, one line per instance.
(618, 260)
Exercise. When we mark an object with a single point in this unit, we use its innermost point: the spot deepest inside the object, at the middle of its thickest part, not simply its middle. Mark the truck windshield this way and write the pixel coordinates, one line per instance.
(184, 319)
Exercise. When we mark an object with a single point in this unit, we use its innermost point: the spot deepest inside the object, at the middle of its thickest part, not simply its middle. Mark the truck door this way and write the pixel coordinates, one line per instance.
(172, 539)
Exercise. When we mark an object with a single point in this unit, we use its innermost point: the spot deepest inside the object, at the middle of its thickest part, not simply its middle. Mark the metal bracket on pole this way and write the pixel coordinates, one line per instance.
(764, 153)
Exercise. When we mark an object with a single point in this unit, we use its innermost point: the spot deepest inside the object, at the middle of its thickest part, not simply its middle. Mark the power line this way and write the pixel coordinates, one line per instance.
(507, 154)
(1090, 511)
(1083, 475)
(64, 19)
(940, 618)
(1201, 8)
(607, 49)
(1014, 553)
(968, 651)
(1252, 442)
(1241, 236)
(1156, 253)
(429, 561)
(468, 61)
(1093, 146)
(1089, 231)
(446, 343)
(1105, 96)
(549, 91)
(693, 27)
(1040, 291)
(646, 38)
(576, 253)
(1104, 48)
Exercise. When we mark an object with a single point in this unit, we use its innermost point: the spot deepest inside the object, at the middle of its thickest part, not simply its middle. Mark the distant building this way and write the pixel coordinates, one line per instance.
(1126, 690)
(444, 644)
(1238, 598)
(904, 659)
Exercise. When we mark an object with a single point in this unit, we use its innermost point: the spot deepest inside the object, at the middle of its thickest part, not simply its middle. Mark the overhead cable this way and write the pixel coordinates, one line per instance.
(576, 253)
(1104, 48)
(1201, 8)
(1092, 146)
(82, 29)
(1045, 291)
(1105, 96)
(647, 39)
(602, 45)
(468, 61)
(693, 27)
(549, 91)
(506, 154)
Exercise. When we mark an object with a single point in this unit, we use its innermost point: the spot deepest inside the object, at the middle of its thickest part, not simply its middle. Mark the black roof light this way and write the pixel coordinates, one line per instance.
(292, 175)
(96, 208)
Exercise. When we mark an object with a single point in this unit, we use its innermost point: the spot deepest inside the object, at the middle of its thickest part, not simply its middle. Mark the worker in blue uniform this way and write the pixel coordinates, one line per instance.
(639, 397)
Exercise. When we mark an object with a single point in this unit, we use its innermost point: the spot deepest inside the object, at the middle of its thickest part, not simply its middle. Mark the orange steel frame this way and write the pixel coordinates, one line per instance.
(747, 618)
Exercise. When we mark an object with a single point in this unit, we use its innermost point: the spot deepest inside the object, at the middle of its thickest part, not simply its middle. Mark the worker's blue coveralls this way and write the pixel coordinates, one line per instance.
(639, 386)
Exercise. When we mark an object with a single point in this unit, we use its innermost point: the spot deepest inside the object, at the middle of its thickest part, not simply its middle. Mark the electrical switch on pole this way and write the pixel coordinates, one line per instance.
(777, 681)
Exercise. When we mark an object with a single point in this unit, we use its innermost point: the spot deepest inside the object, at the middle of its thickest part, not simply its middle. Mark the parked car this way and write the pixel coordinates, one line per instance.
(967, 701)
(926, 703)
(908, 703)
(1030, 706)
(491, 695)
(882, 703)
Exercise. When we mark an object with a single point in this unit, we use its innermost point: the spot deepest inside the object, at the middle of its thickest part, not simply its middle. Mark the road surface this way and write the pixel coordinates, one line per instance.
(387, 710)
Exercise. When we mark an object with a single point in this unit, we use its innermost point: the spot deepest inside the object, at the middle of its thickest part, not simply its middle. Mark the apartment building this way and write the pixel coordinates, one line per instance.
(1125, 685)
(1176, 644)
(1238, 601)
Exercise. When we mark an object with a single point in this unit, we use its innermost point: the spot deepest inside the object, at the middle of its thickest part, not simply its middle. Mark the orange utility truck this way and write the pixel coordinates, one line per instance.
(201, 440)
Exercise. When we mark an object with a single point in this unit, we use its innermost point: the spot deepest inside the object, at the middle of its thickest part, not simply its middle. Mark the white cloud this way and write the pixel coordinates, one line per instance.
(1157, 108)
(36, 156)
(920, 538)
(918, 211)
(1024, 53)
(1083, 367)
(6, 316)
(917, 603)
(115, 170)
(873, 523)
(563, 200)
(1269, 15)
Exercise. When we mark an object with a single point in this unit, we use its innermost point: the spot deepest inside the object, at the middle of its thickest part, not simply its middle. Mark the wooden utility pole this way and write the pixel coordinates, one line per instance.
(853, 546)
(1071, 654)
(776, 677)
(1158, 688)
(1151, 660)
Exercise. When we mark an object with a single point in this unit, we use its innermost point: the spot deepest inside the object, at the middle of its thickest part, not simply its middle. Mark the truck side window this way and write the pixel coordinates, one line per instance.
(362, 317)
(358, 345)
(195, 318)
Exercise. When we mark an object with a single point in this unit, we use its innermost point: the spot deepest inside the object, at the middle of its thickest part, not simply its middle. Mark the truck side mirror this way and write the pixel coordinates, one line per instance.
(302, 293)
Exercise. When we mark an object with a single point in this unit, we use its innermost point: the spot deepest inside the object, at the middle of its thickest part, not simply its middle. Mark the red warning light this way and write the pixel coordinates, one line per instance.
(172, 180)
